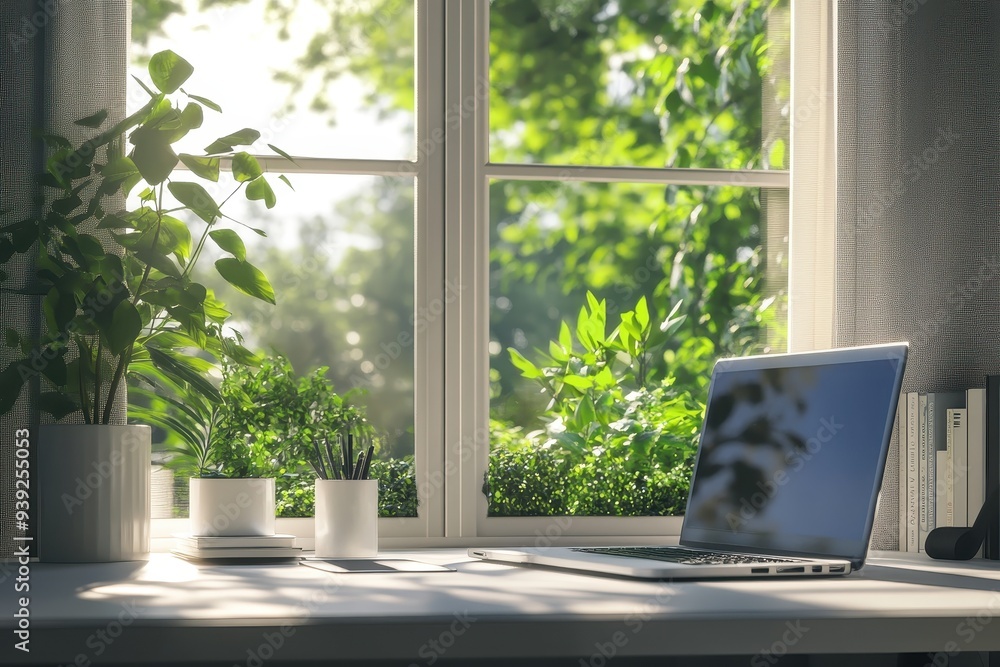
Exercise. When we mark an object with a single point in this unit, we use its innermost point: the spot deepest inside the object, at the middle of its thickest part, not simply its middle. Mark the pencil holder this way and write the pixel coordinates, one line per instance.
(346, 518)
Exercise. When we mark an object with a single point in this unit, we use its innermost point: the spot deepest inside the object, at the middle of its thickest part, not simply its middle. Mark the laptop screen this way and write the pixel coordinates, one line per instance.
(793, 450)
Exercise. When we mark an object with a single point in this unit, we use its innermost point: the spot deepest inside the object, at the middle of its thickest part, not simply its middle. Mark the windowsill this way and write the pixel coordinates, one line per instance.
(177, 612)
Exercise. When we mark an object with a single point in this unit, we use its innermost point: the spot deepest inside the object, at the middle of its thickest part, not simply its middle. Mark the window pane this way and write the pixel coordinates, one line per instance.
(339, 255)
(640, 83)
(596, 381)
(318, 78)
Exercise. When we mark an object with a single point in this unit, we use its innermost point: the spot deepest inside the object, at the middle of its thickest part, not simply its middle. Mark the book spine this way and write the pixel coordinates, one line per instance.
(901, 460)
(932, 447)
(960, 465)
(992, 459)
(976, 425)
(925, 496)
(912, 470)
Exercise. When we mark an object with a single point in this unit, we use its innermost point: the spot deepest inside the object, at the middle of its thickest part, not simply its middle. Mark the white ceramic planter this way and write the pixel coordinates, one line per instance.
(346, 518)
(228, 507)
(93, 490)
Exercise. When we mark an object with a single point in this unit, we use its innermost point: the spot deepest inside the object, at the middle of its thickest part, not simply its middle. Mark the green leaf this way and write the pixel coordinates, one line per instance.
(585, 412)
(182, 368)
(565, 337)
(282, 153)
(204, 100)
(244, 137)
(94, 120)
(192, 117)
(246, 278)
(56, 404)
(557, 352)
(528, 369)
(245, 167)
(203, 167)
(119, 169)
(261, 189)
(230, 241)
(169, 71)
(642, 315)
(153, 155)
(197, 199)
(126, 324)
(144, 86)
(178, 236)
(776, 156)
(11, 382)
(285, 180)
(579, 382)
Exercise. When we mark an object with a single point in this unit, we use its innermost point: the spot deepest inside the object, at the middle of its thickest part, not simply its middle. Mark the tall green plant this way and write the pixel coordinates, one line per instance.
(602, 394)
(116, 283)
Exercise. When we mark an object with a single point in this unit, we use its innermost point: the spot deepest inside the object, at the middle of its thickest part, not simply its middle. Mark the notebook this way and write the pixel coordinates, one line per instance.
(788, 471)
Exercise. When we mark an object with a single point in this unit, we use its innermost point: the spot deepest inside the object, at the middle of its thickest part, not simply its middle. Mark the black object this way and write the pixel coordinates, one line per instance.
(954, 543)
(992, 529)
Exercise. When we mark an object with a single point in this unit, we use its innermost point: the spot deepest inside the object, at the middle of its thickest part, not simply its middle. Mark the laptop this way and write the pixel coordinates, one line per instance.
(788, 472)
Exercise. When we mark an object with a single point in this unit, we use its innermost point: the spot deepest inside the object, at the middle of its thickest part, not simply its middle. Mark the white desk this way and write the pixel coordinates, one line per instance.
(174, 612)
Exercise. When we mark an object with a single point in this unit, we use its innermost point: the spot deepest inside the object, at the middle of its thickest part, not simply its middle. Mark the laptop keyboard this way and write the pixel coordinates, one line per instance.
(684, 555)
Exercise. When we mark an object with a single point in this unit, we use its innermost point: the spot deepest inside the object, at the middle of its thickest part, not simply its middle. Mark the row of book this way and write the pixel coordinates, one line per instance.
(949, 458)
(238, 547)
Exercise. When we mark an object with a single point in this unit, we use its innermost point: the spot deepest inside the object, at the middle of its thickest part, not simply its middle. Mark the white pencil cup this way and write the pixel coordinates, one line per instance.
(346, 518)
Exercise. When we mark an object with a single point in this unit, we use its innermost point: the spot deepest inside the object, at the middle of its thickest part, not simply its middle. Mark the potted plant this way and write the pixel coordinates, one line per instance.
(229, 449)
(119, 298)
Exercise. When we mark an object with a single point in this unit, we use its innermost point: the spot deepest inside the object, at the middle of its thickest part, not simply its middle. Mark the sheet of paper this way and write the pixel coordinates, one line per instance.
(347, 565)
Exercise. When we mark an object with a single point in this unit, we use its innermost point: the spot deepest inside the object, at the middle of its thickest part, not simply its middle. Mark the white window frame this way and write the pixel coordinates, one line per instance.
(468, 173)
(452, 172)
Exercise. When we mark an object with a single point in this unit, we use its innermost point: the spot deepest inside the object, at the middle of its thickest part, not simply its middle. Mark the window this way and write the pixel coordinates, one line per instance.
(475, 174)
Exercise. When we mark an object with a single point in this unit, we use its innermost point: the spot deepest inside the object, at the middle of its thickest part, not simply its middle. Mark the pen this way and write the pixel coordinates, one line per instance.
(358, 466)
(368, 462)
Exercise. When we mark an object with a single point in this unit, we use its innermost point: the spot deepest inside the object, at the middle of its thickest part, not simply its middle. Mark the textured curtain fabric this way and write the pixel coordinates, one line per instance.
(918, 193)
(61, 60)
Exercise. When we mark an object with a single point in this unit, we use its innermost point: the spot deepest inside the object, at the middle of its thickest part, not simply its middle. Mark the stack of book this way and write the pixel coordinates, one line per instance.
(949, 458)
(206, 547)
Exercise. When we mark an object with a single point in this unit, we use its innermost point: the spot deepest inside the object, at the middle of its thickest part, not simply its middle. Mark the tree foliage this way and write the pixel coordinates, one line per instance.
(649, 83)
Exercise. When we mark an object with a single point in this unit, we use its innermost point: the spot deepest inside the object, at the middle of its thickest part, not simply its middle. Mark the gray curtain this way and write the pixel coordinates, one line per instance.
(918, 193)
(60, 61)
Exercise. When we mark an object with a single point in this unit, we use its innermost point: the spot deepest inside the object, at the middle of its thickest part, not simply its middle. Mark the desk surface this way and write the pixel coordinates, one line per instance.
(175, 611)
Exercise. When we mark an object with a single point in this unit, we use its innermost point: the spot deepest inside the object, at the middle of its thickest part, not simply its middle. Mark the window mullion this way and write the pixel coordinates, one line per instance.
(744, 178)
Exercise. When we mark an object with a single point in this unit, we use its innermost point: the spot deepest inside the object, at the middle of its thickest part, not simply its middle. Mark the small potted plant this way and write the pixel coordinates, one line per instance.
(119, 299)
(229, 449)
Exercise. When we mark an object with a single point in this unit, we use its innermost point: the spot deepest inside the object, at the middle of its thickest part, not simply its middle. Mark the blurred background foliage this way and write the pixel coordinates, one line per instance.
(647, 83)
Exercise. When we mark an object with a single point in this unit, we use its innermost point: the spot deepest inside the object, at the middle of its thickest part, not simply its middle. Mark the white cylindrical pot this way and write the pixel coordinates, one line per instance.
(222, 506)
(93, 493)
(346, 518)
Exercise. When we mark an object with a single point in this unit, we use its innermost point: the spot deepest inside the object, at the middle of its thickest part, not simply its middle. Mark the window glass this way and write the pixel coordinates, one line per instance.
(640, 83)
(318, 78)
(609, 304)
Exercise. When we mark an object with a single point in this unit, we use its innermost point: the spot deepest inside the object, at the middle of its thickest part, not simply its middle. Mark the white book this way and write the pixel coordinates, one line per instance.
(957, 419)
(912, 470)
(942, 502)
(227, 541)
(976, 430)
(926, 501)
(225, 553)
(901, 442)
